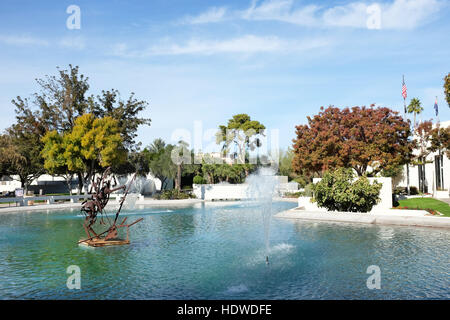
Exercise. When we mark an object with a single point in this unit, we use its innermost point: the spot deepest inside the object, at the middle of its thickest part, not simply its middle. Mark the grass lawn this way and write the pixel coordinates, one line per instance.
(427, 203)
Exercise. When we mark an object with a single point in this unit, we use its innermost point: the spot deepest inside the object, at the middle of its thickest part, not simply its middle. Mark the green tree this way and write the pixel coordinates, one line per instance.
(232, 173)
(395, 173)
(241, 132)
(64, 97)
(285, 166)
(180, 156)
(109, 104)
(9, 155)
(25, 147)
(414, 107)
(93, 143)
(55, 161)
(60, 100)
(159, 157)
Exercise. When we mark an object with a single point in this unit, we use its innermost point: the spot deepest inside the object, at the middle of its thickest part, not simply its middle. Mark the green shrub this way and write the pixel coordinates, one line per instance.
(307, 192)
(174, 195)
(339, 191)
(413, 191)
(293, 194)
(402, 191)
(199, 180)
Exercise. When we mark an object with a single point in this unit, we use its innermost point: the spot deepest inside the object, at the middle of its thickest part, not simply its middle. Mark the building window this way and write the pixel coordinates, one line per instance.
(439, 169)
(423, 187)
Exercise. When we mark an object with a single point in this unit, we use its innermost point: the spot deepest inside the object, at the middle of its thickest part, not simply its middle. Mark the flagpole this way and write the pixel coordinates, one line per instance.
(441, 178)
(437, 116)
(404, 101)
(404, 113)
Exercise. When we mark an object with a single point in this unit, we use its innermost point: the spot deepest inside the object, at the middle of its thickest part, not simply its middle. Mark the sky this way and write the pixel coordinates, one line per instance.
(195, 60)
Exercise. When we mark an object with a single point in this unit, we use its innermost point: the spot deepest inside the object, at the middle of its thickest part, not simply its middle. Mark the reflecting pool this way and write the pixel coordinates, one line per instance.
(217, 251)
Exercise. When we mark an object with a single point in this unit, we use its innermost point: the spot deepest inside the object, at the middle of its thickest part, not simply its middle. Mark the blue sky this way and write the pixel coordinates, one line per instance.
(277, 60)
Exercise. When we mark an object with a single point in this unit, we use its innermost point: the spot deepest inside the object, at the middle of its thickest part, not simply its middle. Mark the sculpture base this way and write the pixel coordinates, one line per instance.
(104, 243)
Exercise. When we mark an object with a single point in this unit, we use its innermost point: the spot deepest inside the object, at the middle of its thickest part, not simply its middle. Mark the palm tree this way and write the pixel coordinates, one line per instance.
(157, 146)
(181, 148)
(414, 107)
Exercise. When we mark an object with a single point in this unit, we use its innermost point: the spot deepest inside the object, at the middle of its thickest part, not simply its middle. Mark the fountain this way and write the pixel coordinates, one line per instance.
(137, 189)
(262, 186)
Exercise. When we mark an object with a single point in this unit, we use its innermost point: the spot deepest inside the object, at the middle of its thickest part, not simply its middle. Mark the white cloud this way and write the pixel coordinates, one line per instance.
(248, 44)
(214, 14)
(397, 14)
(77, 43)
(280, 10)
(408, 13)
(22, 40)
(351, 15)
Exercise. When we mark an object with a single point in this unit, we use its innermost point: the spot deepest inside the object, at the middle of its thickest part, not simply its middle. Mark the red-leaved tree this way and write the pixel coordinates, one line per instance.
(365, 139)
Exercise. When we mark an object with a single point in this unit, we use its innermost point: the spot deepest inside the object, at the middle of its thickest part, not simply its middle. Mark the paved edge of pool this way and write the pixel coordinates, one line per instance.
(145, 203)
(62, 206)
(368, 218)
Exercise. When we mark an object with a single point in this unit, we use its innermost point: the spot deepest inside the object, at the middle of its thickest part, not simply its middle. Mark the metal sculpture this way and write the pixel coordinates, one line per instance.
(101, 189)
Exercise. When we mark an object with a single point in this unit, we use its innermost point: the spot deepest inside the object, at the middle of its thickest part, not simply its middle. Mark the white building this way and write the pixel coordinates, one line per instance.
(434, 176)
(46, 184)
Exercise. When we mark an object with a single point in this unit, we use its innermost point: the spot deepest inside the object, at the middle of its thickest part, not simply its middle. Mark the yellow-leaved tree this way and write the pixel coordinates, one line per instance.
(93, 143)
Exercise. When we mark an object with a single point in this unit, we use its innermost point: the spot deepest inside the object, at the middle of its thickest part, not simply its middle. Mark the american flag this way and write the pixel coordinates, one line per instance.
(436, 107)
(404, 94)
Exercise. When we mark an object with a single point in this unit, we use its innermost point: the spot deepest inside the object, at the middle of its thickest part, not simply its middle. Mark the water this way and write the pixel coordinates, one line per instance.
(216, 251)
(261, 190)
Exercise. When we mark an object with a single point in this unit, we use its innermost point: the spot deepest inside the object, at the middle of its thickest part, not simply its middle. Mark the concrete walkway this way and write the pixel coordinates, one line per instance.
(418, 218)
(112, 204)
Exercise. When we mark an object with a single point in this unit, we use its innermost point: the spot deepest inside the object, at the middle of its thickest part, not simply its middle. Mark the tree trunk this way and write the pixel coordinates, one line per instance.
(163, 182)
(86, 180)
(178, 180)
(24, 183)
(80, 182)
(407, 179)
(69, 182)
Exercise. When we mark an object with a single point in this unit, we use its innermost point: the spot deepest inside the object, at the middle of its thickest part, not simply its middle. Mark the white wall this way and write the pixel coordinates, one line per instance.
(220, 191)
(7, 186)
(226, 191)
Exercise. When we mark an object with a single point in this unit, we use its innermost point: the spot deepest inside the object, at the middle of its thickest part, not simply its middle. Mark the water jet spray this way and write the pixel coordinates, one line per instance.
(262, 186)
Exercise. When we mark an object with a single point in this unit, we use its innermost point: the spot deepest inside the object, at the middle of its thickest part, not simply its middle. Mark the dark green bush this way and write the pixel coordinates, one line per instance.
(395, 202)
(199, 180)
(413, 191)
(339, 191)
(174, 195)
(402, 191)
(293, 194)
